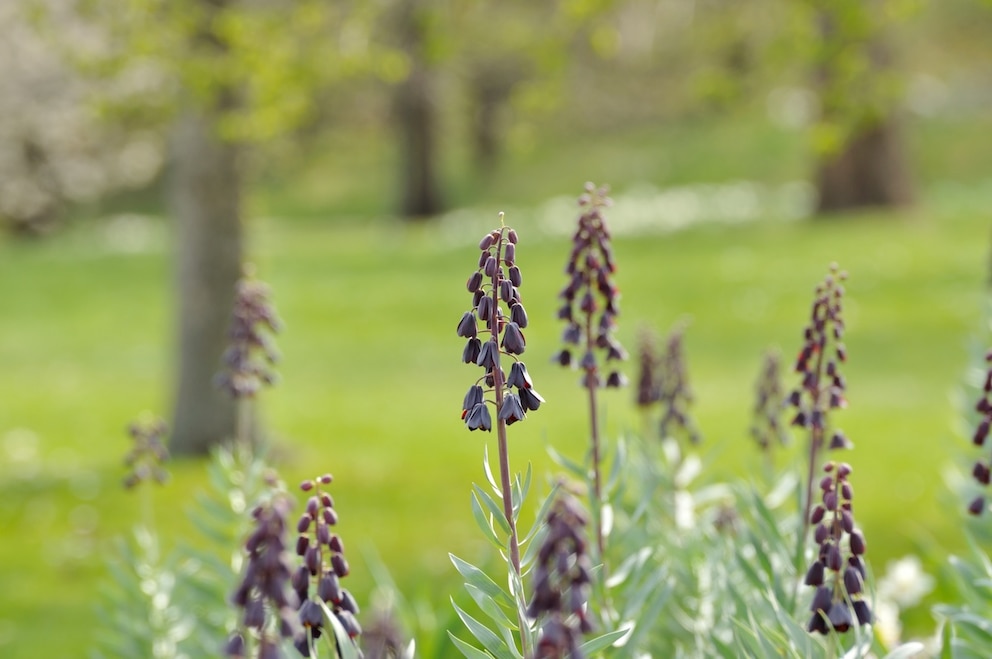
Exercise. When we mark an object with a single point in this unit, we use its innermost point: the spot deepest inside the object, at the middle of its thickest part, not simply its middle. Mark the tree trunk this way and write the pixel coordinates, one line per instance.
(416, 117)
(871, 170)
(491, 84)
(205, 196)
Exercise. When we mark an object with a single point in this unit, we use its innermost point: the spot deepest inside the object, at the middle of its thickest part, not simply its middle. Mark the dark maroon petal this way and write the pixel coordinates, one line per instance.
(514, 275)
(513, 339)
(519, 315)
(977, 506)
(616, 379)
(511, 411)
(478, 418)
(518, 376)
(862, 612)
(563, 357)
(312, 559)
(485, 308)
(487, 241)
(340, 565)
(474, 282)
(530, 400)
(467, 326)
(488, 355)
(822, 599)
(840, 616)
(852, 581)
(329, 588)
(857, 543)
(981, 432)
(235, 647)
(509, 254)
(336, 544)
(511, 236)
(471, 351)
(473, 397)
(981, 473)
(814, 575)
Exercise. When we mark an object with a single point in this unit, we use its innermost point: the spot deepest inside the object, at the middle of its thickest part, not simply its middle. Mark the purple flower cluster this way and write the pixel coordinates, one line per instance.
(766, 426)
(591, 299)
(981, 471)
(264, 595)
(148, 454)
(250, 352)
(561, 582)
(674, 392)
(324, 565)
(648, 390)
(495, 286)
(838, 576)
(822, 386)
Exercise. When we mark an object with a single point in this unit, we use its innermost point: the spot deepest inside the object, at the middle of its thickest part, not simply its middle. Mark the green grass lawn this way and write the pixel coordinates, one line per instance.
(371, 381)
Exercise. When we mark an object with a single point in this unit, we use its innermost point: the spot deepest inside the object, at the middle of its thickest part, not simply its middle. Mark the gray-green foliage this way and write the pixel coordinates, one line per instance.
(169, 605)
(967, 630)
(496, 622)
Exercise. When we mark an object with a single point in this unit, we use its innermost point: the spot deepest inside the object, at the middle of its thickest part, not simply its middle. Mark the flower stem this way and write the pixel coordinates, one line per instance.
(503, 448)
(595, 441)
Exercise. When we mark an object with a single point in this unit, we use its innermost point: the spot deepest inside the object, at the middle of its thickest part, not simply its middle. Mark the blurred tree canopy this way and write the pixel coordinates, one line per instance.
(101, 93)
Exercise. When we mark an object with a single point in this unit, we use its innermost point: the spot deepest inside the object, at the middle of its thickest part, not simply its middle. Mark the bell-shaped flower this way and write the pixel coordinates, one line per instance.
(530, 399)
(473, 397)
(511, 411)
(513, 339)
(518, 315)
(471, 352)
(519, 376)
(478, 417)
(488, 355)
(467, 326)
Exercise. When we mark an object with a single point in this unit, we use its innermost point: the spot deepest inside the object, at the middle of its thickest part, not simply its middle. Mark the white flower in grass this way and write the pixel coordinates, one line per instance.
(905, 583)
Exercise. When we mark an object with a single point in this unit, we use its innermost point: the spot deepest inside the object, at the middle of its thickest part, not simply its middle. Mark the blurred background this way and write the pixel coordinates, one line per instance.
(356, 151)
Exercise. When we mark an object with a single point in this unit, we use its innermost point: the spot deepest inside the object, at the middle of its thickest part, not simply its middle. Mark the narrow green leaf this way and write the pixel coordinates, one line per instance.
(494, 508)
(484, 522)
(489, 473)
(528, 478)
(577, 470)
(603, 641)
(946, 638)
(344, 642)
(467, 650)
(483, 634)
(906, 651)
(491, 608)
(481, 580)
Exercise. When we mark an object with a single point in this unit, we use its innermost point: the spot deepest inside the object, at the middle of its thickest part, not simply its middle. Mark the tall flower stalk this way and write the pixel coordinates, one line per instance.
(590, 309)
(981, 471)
(769, 402)
(492, 336)
(822, 386)
(251, 352)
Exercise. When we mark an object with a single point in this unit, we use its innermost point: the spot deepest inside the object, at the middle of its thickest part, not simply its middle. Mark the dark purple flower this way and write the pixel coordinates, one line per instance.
(519, 376)
(324, 566)
(511, 411)
(467, 326)
(530, 400)
(513, 339)
(478, 418)
(250, 352)
(488, 355)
